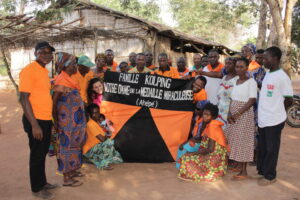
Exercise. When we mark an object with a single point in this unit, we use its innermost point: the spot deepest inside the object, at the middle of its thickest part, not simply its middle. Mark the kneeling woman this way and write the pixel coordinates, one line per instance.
(99, 149)
(209, 163)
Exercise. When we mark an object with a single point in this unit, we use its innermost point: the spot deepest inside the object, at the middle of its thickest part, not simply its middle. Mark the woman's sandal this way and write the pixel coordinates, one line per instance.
(239, 177)
(78, 174)
(74, 183)
(235, 169)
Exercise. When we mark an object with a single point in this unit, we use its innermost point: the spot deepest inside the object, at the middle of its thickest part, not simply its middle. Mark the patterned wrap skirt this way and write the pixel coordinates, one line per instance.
(104, 154)
(71, 131)
(240, 135)
(209, 167)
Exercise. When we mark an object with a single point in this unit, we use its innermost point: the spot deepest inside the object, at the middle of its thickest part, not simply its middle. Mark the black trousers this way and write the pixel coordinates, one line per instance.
(38, 152)
(269, 145)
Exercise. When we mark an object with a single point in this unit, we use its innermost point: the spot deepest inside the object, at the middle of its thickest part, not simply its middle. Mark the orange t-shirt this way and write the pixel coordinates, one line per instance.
(215, 132)
(93, 129)
(152, 67)
(171, 73)
(184, 73)
(34, 79)
(83, 83)
(200, 96)
(253, 66)
(114, 66)
(217, 69)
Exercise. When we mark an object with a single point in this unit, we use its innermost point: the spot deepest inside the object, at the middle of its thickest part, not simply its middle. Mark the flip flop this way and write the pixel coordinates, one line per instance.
(239, 177)
(78, 174)
(235, 169)
(74, 183)
(107, 168)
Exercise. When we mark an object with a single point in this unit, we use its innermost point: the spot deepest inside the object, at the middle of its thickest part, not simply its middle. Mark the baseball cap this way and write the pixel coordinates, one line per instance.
(43, 44)
(85, 61)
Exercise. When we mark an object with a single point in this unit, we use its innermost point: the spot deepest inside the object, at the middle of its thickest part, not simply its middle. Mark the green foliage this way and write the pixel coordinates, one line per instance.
(147, 9)
(218, 20)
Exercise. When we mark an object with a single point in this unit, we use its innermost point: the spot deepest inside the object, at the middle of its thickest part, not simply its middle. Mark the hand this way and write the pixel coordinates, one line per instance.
(110, 123)
(230, 119)
(187, 77)
(37, 132)
(181, 147)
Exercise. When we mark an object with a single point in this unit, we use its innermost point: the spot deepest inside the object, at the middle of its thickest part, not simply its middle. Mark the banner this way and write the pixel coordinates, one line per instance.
(151, 114)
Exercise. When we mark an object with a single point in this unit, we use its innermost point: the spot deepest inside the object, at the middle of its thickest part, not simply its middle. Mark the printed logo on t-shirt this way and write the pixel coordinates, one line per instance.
(270, 90)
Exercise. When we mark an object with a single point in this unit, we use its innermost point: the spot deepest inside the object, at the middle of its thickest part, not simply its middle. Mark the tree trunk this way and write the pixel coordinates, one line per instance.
(279, 26)
(262, 30)
(22, 7)
(7, 65)
(272, 38)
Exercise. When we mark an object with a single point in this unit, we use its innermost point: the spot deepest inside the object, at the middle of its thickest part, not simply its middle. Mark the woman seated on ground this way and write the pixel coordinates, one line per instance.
(209, 163)
(95, 91)
(99, 149)
(193, 144)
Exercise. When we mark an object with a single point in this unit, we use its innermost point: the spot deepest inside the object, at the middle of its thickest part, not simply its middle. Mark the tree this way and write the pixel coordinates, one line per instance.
(146, 9)
(283, 28)
(218, 20)
(262, 27)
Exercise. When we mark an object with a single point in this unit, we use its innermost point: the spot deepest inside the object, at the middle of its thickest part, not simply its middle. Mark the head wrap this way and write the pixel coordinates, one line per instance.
(63, 60)
(252, 47)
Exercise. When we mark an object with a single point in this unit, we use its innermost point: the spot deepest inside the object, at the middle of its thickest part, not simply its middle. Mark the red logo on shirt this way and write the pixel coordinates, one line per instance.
(270, 87)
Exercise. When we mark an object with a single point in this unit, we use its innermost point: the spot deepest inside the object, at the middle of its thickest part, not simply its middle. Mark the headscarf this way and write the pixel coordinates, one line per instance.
(252, 48)
(62, 60)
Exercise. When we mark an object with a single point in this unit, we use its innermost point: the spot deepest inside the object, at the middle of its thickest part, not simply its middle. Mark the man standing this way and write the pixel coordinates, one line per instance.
(275, 96)
(181, 67)
(110, 63)
(132, 60)
(164, 68)
(149, 60)
(212, 85)
(36, 102)
(197, 62)
(140, 68)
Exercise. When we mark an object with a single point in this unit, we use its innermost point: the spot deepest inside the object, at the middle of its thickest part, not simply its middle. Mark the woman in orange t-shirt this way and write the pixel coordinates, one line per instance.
(209, 163)
(99, 149)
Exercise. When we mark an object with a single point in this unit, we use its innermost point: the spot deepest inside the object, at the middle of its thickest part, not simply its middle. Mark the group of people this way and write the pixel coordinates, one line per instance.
(228, 113)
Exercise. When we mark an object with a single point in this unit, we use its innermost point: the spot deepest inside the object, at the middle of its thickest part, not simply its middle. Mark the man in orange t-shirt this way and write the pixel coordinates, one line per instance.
(181, 67)
(164, 68)
(110, 63)
(149, 60)
(36, 102)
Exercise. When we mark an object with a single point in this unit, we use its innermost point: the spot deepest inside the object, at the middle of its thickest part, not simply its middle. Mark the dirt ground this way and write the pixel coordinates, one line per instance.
(136, 181)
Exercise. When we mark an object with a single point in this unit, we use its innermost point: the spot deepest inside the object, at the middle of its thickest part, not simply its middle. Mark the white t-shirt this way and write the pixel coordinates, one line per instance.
(243, 92)
(212, 87)
(275, 86)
